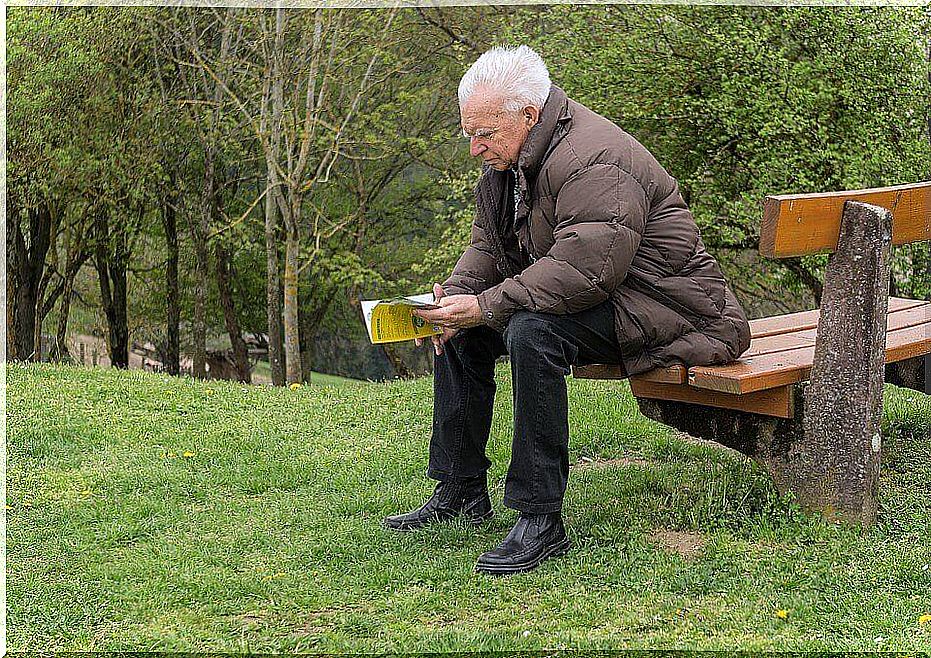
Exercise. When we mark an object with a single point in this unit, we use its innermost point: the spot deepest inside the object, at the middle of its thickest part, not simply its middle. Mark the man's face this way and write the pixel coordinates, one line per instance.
(495, 134)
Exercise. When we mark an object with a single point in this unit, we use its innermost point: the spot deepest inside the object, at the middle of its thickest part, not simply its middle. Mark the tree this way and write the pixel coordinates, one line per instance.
(48, 63)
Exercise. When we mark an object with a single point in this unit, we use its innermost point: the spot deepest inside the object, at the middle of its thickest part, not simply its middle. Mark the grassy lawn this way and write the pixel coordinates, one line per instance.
(150, 513)
(262, 373)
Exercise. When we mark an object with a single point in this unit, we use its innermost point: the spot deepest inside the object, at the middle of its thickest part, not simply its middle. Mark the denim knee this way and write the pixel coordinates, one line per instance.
(527, 330)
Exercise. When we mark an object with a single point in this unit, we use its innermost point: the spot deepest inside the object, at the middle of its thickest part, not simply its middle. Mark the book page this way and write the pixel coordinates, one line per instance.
(392, 320)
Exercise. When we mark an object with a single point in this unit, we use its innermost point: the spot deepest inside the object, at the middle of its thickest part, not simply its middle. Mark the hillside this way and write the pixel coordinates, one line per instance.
(151, 513)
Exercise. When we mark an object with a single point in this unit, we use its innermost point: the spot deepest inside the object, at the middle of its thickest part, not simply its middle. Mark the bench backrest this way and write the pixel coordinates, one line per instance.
(801, 224)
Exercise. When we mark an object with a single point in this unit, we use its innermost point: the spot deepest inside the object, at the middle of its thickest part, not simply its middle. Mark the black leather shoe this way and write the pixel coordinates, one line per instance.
(451, 498)
(534, 538)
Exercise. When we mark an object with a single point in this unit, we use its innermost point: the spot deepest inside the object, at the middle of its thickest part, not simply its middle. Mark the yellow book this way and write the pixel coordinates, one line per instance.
(393, 320)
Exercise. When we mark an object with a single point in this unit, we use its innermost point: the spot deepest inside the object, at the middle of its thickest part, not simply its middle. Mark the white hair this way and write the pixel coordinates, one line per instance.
(518, 74)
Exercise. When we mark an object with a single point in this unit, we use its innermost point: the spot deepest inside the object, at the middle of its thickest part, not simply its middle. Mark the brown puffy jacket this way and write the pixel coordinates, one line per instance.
(599, 219)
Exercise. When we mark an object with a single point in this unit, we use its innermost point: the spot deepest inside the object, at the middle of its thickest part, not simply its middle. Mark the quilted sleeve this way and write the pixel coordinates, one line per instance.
(600, 215)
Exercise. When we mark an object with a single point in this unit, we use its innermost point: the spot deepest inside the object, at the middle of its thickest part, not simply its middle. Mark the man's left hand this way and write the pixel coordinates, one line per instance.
(455, 312)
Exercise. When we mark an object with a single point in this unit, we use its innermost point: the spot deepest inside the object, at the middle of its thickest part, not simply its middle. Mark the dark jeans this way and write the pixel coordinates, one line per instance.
(541, 346)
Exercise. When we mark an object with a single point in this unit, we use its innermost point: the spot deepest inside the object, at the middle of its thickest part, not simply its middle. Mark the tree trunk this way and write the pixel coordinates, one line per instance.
(77, 255)
(224, 270)
(49, 271)
(171, 357)
(273, 292)
(10, 292)
(64, 311)
(25, 266)
(400, 368)
(199, 228)
(24, 319)
(111, 261)
(292, 341)
(271, 118)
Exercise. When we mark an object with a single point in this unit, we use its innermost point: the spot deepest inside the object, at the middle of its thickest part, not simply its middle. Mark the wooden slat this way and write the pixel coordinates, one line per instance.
(793, 331)
(904, 317)
(799, 224)
(770, 402)
(599, 371)
(756, 373)
(670, 375)
(780, 342)
(784, 324)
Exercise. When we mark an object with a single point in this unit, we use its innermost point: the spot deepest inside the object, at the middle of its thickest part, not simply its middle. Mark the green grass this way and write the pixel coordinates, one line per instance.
(151, 513)
(263, 369)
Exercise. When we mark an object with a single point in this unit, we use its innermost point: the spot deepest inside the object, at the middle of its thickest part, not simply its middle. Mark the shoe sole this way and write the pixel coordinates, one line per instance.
(501, 570)
(477, 520)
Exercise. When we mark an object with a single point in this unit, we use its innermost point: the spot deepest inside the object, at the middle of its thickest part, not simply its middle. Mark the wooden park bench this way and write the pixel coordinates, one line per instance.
(805, 400)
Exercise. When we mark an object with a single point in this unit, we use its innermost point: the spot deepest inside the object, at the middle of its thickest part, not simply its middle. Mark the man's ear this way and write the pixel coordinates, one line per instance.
(530, 115)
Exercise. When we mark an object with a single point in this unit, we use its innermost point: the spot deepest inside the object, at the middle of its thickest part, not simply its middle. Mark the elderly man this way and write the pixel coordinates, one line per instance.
(582, 251)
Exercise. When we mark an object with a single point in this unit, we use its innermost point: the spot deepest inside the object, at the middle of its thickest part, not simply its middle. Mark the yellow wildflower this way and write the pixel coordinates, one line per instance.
(188, 453)
(782, 614)
(294, 386)
(924, 619)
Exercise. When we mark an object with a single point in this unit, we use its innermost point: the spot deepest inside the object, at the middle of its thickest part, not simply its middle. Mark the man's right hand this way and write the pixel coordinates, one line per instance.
(439, 340)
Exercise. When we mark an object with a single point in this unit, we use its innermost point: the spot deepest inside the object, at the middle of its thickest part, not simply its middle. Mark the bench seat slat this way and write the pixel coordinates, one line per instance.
(670, 375)
(785, 334)
(771, 402)
(791, 322)
(780, 343)
(756, 373)
(900, 319)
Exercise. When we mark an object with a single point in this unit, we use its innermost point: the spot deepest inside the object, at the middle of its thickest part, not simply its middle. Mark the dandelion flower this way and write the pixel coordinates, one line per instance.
(924, 619)
(294, 386)
(188, 453)
(782, 614)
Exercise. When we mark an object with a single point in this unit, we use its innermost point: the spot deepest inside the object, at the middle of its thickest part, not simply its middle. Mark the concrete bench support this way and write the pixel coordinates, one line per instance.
(768, 440)
(828, 452)
(836, 466)
(914, 373)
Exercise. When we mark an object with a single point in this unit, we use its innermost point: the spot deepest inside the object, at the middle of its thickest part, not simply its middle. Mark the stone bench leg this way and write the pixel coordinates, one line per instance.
(828, 453)
(766, 439)
(912, 373)
(838, 460)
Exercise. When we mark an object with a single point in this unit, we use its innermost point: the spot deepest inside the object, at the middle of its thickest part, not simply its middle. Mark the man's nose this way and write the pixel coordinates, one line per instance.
(476, 147)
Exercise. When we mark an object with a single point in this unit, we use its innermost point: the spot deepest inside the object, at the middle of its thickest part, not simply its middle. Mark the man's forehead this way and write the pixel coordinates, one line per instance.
(482, 105)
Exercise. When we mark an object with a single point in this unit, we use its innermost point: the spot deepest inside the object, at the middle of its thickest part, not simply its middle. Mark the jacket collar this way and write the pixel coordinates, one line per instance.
(549, 130)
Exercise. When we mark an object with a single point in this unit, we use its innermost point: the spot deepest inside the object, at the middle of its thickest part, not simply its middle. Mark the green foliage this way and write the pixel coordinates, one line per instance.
(455, 213)
(736, 102)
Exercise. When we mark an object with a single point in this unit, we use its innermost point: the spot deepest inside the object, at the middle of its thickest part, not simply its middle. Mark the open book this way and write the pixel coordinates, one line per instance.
(392, 320)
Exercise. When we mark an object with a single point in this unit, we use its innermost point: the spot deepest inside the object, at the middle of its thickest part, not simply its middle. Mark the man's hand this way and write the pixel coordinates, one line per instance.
(456, 312)
(448, 332)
